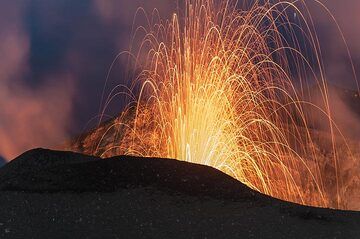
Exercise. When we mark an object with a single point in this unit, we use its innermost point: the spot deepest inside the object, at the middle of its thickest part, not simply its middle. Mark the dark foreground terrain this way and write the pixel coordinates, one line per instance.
(50, 194)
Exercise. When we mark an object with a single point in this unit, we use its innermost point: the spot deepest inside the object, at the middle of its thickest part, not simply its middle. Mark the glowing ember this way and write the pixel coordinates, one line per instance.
(218, 88)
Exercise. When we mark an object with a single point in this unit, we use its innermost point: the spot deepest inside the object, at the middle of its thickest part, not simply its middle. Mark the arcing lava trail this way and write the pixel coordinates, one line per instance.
(224, 85)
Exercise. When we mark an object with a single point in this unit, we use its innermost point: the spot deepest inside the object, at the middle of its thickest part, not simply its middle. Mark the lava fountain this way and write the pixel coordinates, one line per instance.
(223, 85)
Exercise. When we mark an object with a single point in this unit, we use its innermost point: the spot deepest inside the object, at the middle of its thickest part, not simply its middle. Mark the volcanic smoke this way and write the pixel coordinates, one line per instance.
(224, 85)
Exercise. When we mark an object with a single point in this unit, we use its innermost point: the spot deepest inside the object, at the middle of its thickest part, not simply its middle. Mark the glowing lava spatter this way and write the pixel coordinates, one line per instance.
(217, 88)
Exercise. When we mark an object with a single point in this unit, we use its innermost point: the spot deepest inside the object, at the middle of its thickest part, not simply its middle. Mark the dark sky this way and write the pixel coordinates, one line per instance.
(55, 56)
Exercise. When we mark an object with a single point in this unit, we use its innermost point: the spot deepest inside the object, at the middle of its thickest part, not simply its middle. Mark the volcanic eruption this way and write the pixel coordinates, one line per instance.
(226, 85)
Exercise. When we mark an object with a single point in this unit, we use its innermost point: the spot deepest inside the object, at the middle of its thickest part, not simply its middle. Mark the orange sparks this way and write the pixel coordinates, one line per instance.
(217, 87)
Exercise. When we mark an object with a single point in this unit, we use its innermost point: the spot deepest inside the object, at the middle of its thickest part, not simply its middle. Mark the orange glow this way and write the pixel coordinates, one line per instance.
(217, 89)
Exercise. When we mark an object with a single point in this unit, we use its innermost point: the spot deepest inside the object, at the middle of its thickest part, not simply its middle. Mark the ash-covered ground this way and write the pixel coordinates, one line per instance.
(52, 194)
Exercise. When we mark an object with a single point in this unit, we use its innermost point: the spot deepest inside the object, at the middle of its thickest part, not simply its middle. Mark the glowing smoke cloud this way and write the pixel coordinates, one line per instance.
(217, 89)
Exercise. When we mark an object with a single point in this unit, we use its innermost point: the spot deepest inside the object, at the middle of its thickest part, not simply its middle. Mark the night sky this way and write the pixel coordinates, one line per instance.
(55, 56)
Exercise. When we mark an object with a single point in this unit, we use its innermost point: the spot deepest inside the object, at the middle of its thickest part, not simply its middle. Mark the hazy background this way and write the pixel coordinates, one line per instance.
(55, 56)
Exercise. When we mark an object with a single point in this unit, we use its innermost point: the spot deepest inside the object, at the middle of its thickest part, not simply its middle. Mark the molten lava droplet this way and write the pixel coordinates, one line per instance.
(217, 89)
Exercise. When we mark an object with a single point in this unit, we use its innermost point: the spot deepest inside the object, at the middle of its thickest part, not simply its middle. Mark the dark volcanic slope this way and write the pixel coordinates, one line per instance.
(48, 194)
(52, 171)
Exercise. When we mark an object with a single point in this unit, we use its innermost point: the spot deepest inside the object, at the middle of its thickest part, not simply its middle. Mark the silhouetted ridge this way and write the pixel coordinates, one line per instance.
(43, 170)
(54, 194)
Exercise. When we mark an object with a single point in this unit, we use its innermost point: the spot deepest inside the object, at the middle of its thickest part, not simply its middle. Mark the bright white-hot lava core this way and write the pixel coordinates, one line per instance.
(223, 84)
